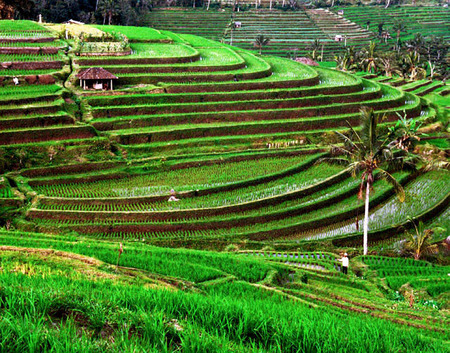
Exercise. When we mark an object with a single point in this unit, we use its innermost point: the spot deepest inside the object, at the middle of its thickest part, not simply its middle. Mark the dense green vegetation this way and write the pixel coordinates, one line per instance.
(128, 309)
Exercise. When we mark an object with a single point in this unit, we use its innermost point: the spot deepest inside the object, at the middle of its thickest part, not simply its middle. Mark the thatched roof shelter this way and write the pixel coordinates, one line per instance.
(96, 78)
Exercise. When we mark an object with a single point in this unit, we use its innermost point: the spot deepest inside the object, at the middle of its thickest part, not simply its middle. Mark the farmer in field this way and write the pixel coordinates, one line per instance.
(172, 196)
(344, 261)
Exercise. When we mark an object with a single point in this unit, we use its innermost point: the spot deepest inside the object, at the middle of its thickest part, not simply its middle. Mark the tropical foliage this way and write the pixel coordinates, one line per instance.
(369, 151)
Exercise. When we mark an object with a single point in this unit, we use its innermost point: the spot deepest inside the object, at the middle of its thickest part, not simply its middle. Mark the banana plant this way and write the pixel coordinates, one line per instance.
(419, 242)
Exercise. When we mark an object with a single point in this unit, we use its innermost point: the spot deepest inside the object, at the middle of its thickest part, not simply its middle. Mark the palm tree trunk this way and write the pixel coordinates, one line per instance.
(207, 7)
(270, 4)
(366, 220)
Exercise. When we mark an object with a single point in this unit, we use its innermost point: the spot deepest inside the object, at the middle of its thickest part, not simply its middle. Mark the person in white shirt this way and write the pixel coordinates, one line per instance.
(344, 261)
(172, 196)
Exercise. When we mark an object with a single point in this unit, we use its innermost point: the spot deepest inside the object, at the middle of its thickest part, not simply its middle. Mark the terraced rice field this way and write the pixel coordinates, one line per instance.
(237, 136)
(168, 296)
(291, 33)
(239, 144)
(429, 20)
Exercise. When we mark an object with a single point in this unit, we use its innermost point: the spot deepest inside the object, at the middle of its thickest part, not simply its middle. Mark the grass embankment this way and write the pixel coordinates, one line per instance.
(157, 303)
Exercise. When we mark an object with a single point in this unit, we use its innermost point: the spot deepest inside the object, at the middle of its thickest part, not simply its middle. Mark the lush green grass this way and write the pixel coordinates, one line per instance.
(423, 20)
(28, 91)
(161, 182)
(135, 34)
(160, 50)
(56, 43)
(419, 275)
(21, 26)
(130, 309)
(31, 57)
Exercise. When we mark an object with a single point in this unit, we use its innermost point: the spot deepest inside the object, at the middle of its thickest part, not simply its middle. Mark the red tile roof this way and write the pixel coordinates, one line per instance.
(96, 73)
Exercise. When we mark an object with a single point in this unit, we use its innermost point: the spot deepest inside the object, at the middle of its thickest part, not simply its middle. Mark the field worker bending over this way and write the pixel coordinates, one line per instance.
(172, 196)
(344, 261)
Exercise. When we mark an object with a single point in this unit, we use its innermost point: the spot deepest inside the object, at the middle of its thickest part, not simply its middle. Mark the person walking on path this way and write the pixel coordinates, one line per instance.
(344, 261)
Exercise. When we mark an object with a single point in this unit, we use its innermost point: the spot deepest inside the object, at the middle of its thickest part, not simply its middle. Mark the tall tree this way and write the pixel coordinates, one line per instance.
(399, 27)
(348, 60)
(108, 8)
(314, 50)
(389, 64)
(368, 152)
(412, 66)
(369, 58)
(261, 41)
(231, 26)
(14, 8)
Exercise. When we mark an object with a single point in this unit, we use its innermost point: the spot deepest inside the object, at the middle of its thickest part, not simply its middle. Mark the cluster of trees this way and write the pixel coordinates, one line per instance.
(417, 58)
(124, 12)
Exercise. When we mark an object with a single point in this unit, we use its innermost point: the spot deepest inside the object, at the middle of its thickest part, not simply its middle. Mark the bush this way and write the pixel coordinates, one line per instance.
(304, 278)
(231, 248)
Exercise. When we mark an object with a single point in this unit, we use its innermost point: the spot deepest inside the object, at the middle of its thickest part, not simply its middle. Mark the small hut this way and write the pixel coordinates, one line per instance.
(96, 78)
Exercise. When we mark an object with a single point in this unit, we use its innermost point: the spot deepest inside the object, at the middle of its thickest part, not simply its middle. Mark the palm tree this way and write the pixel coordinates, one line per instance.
(411, 66)
(347, 61)
(108, 8)
(406, 133)
(416, 44)
(367, 152)
(398, 28)
(419, 242)
(389, 64)
(315, 48)
(369, 58)
(260, 41)
(231, 26)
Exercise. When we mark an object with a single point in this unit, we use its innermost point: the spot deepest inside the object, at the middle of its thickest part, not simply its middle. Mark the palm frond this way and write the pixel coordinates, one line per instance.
(397, 186)
(354, 133)
(369, 122)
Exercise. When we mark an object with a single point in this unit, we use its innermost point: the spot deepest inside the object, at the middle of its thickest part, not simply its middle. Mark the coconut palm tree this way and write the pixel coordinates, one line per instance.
(398, 28)
(369, 58)
(389, 64)
(412, 66)
(416, 44)
(347, 61)
(260, 41)
(369, 151)
(314, 49)
(231, 26)
(405, 132)
(108, 8)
